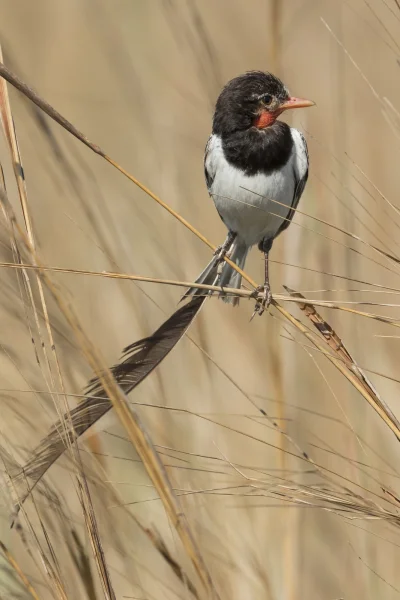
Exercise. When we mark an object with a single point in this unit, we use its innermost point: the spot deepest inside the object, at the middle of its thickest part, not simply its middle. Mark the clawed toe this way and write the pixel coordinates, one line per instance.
(221, 253)
(224, 251)
(263, 304)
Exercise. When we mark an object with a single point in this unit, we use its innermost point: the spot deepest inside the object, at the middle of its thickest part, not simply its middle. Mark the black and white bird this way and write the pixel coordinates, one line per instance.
(256, 168)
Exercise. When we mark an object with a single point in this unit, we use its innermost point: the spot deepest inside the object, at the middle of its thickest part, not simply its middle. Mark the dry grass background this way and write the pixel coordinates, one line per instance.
(140, 78)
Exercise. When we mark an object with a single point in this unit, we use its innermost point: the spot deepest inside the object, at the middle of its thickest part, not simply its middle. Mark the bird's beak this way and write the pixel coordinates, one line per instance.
(296, 103)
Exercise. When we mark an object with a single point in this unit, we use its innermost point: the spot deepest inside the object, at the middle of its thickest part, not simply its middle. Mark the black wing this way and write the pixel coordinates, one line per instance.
(207, 173)
(299, 189)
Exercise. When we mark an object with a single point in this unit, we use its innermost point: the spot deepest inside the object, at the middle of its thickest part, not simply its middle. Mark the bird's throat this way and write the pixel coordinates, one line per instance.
(265, 119)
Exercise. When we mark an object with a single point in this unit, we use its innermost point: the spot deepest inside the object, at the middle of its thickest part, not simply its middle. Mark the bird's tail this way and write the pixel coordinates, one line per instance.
(223, 274)
(229, 277)
(209, 277)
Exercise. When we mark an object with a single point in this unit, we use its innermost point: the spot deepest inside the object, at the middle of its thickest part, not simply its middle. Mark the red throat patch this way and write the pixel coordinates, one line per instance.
(265, 119)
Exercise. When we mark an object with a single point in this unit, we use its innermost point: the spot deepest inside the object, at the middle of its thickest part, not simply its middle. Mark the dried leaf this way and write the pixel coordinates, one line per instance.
(334, 342)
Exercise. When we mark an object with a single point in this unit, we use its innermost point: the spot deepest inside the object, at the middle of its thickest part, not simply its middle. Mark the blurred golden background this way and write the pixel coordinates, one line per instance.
(140, 78)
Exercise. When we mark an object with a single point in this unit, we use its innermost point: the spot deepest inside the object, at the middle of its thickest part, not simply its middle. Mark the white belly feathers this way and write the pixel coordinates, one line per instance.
(246, 203)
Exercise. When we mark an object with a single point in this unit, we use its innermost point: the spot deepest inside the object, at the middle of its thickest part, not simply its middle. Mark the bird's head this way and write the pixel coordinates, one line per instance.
(255, 99)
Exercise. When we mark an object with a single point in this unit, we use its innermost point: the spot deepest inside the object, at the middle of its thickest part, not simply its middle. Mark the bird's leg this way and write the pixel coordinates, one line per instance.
(267, 296)
(221, 251)
(265, 247)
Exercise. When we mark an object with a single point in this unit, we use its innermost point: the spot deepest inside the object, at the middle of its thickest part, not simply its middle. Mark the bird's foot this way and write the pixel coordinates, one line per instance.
(218, 250)
(221, 252)
(224, 251)
(264, 302)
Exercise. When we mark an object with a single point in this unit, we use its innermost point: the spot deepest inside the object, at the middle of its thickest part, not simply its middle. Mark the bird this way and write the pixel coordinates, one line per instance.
(256, 169)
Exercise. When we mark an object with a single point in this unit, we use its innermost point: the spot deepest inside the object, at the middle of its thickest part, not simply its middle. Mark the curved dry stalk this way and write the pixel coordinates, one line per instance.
(335, 342)
(49, 110)
(83, 490)
(11, 137)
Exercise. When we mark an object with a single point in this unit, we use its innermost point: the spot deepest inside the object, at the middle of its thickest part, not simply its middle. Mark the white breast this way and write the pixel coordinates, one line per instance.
(254, 206)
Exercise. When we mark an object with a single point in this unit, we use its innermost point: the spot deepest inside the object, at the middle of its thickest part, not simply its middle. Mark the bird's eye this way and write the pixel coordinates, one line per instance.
(267, 99)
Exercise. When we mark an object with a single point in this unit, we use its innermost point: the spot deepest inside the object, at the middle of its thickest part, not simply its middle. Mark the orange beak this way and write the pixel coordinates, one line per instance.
(296, 103)
(266, 118)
